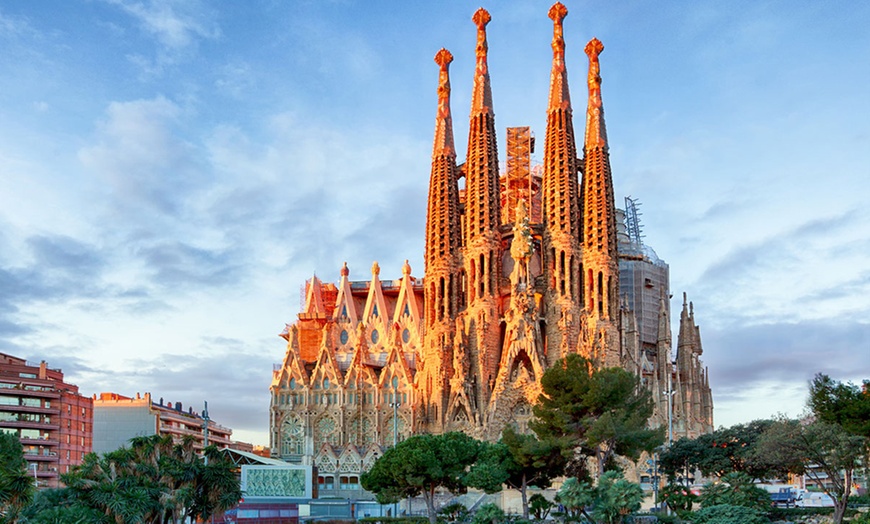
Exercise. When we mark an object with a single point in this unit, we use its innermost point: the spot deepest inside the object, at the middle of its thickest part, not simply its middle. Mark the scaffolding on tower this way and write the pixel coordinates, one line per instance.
(518, 178)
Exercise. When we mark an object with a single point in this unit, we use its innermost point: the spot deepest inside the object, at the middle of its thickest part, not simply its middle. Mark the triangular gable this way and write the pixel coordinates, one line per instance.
(396, 365)
(358, 371)
(326, 460)
(345, 307)
(326, 366)
(375, 315)
(407, 308)
(292, 366)
(350, 460)
(314, 298)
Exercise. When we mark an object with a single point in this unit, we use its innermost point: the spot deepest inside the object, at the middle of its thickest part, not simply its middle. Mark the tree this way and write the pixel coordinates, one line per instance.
(520, 461)
(154, 480)
(16, 486)
(611, 500)
(488, 514)
(679, 498)
(598, 413)
(54, 506)
(616, 498)
(575, 496)
(822, 451)
(420, 465)
(682, 458)
(841, 403)
(719, 453)
(540, 506)
(729, 514)
(735, 489)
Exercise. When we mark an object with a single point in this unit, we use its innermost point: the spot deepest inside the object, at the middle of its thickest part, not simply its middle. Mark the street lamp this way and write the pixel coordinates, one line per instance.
(670, 396)
(205, 420)
(395, 405)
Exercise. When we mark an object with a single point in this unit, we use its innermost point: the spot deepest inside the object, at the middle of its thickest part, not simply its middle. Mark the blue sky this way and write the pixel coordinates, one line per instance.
(172, 172)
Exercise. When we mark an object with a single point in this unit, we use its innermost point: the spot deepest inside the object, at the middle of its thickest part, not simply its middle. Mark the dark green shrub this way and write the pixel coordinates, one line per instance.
(729, 514)
(488, 514)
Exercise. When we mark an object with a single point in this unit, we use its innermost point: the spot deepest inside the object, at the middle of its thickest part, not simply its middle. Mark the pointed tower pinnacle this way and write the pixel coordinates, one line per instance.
(443, 144)
(560, 98)
(598, 214)
(596, 134)
(481, 97)
(561, 206)
(442, 219)
(442, 264)
(482, 238)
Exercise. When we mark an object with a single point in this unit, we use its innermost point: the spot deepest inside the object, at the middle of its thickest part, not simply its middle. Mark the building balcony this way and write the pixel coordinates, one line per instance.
(50, 456)
(29, 424)
(38, 441)
(29, 409)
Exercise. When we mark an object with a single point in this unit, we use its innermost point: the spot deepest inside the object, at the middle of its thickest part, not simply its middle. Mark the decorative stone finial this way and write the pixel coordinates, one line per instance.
(560, 98)
(558, 13)
(443, 144)
(481, 94)
(376, 269)
(481, 18)
(344, 270)
(596, 133)
(406, 268)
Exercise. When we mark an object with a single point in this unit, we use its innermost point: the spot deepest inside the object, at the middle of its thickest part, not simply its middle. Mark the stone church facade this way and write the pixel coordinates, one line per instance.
(522, 267)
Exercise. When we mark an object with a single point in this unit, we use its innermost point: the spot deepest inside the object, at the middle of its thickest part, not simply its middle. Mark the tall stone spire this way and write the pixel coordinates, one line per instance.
(560, 206)
(598, 219)
(482, 237)
(442, 254)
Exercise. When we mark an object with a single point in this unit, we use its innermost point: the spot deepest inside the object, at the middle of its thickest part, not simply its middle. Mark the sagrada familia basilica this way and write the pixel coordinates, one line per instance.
(522, 267)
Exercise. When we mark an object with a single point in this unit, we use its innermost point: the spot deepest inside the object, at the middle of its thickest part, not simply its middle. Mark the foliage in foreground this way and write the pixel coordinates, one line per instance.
(735, 489)
(611, 501)
(598, 413)
(154, 480)
(729, 514)
(422, 464)
(16, 486)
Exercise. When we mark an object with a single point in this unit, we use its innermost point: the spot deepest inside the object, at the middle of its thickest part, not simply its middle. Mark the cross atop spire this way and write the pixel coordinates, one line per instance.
(559, 95)
(443, 144)
(596, 133)
(481, 96)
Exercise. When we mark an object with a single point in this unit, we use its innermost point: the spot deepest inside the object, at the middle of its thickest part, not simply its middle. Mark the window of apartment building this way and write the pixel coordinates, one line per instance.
(27, 375)
(6, 400)
(29, 433)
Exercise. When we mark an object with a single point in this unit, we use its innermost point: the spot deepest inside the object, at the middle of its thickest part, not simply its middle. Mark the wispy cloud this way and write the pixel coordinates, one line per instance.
(177, 27)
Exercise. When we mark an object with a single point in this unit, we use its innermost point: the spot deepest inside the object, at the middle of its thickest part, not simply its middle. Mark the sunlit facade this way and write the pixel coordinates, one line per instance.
(49, 416)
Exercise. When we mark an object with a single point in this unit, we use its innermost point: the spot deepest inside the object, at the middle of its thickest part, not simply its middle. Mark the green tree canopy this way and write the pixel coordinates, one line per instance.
(154, 480)
(520, 461)
(724, 451)
(16, 486)
(822, 451)
(422, 464)
(596, 412)
(841, 403)
(613, 499)
(735, 489)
